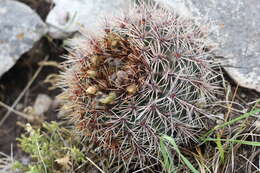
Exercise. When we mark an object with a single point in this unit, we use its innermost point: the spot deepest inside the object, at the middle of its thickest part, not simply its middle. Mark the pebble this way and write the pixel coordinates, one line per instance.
(42, 104)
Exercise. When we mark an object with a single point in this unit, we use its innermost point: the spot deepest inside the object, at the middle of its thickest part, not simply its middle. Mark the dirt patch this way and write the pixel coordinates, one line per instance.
(14, 81)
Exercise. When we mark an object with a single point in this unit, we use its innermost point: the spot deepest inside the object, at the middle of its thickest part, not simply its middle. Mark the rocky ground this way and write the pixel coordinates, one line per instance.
(13, 82)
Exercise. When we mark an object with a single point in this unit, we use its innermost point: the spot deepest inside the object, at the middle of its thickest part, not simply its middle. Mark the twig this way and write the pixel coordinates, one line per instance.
(28, 117)
(95, 165)
(22, 93)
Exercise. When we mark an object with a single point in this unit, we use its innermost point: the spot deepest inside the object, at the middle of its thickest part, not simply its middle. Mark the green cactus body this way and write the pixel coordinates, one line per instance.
(150, 73)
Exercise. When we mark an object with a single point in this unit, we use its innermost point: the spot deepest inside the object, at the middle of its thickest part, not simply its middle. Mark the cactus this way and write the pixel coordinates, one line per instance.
(147, 73)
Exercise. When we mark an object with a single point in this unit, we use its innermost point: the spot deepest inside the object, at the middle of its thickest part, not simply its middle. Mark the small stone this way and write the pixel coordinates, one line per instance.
(243, 95)
(20, 28)
(42, 104)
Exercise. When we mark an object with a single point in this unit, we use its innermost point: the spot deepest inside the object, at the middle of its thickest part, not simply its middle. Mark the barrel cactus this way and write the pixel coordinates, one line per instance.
(147, 73)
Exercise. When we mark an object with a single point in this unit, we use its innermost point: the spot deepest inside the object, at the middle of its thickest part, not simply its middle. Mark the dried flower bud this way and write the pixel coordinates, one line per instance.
(96, 60)
(132, 89)
(109, 98)
(92, 73)
(91, 90)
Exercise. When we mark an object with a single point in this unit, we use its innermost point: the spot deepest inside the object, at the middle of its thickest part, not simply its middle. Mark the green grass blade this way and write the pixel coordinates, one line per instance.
(256, 103)
(252, 143)
(220, 149)
(167, 161)
(245, 115)
(175, 147)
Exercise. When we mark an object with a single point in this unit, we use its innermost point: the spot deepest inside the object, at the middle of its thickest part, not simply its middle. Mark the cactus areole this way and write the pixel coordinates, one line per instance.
(150, 72)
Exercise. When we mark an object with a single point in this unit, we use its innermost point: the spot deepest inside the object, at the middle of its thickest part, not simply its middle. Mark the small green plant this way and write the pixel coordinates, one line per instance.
(52, 150)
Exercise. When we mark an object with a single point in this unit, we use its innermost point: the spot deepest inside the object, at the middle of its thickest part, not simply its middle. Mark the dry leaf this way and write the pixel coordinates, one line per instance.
(64, 162)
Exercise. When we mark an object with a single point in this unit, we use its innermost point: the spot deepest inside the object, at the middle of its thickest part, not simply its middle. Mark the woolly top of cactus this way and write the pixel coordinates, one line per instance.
(150, 73)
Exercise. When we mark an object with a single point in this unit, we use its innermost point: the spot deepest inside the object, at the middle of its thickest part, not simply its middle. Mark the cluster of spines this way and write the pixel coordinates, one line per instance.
(151, 73)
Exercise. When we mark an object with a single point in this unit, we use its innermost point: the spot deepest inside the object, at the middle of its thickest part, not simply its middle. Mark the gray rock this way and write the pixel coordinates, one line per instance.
(238, 23)
(20, 28)
(69, 15)
(42, 104)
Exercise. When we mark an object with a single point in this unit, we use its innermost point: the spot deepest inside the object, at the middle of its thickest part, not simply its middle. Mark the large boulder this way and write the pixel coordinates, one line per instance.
(237, 23)
(68, 16)
(20, 28)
